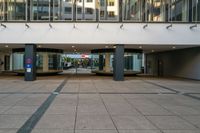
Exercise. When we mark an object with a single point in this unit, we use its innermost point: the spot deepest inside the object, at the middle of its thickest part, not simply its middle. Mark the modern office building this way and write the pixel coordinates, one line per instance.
(123, 36)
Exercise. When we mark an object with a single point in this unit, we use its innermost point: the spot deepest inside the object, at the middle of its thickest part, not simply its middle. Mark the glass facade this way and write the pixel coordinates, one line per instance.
(101, 10)
(102, 62)
(46, 62)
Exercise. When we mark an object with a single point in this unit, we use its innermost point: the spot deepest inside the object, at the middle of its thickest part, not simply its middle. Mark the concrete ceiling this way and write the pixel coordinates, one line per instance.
(86, 48)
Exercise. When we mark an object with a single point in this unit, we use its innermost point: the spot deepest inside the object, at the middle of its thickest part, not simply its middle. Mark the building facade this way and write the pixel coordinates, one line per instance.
(149, 25)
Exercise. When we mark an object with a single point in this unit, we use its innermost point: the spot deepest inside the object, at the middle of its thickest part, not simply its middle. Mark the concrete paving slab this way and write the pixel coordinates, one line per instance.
(170, 122)
(139, 131)
(98, 122)
(12, 121)
(132, 122)
(56, 121)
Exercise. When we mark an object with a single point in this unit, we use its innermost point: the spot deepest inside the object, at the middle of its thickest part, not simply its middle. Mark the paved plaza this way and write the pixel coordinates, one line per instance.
(86, 103)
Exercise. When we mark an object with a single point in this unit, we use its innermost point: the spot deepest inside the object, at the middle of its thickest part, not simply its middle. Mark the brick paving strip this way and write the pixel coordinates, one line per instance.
(32, 121)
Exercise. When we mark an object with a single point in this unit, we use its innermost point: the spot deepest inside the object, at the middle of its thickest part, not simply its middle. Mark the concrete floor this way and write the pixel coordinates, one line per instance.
(92, 104)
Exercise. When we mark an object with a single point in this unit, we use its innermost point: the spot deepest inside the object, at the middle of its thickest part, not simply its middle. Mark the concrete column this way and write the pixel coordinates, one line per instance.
(107, 62)
(30, 62)
(45, 62)
(100, 62)
(118, 73)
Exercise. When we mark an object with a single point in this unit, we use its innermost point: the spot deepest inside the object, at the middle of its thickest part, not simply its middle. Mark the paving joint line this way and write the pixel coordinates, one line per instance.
(164, 87)
(28, 126)
(110, 116)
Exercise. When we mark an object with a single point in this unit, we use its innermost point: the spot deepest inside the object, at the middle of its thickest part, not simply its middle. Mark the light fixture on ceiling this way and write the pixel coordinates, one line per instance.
(121, 26)
(145, 26)
(193, 26)
(98, 26)
(169, 26)
(3, 25)
(27, 26)
(50, 25)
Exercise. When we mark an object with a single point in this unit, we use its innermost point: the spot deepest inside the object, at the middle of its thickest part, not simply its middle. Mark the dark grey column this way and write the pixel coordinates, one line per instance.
(118, 72)
(100, 62)
(30, 62)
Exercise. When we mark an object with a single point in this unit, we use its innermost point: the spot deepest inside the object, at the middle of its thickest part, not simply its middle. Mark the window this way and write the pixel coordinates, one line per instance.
(102, 13)
(89, 11)
(89, 1)
(1, 9)
(79, 10)
(68, 10)
(111, 14)
(111, 3)
(16, 9)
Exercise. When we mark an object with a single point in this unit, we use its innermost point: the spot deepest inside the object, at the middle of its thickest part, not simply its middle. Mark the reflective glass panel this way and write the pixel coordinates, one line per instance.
(179, 10)
(109, 10)
(1, 9)
(131, 10)
(195, 10)
(86, 10)
(16, 9)
(40, 10)
(62, 10)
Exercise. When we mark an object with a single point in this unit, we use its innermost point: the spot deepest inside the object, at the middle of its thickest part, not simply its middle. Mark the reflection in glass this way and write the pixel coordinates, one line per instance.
(132, 10)
(103, 62)
(16, 9)
(109, 10)
(62, 9)
(40, 10)
(2, 9)
(179, 10)
(47, 62)
(195, 10)
(86, 10)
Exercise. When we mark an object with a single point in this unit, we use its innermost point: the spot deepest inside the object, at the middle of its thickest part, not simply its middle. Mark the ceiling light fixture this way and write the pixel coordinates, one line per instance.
(98, 26)
(145, 26)
(27, 26)
(3, 25)
(121, 26)
(50, 26)
(169, 26)
(193, 26)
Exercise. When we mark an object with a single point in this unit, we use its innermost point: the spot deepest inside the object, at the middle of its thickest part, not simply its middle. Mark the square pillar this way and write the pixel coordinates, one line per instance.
(101, 64)
(118, 72)
(30, 62)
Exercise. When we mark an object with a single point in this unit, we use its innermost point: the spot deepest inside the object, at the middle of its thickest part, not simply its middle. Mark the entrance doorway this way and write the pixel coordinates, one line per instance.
(77, 63)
